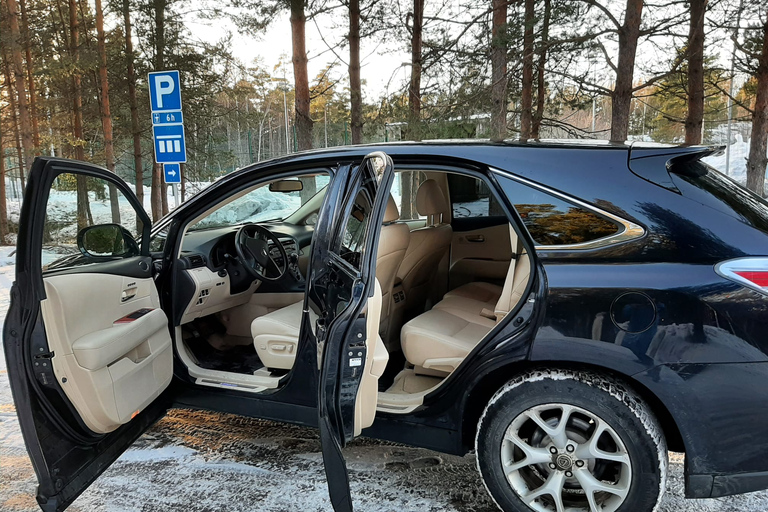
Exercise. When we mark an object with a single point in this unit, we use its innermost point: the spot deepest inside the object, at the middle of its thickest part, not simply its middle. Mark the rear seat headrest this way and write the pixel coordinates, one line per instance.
(391, 214)
(430, 199)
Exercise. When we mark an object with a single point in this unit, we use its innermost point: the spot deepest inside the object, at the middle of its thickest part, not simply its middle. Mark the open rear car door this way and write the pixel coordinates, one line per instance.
(87, 346)
(344, 299)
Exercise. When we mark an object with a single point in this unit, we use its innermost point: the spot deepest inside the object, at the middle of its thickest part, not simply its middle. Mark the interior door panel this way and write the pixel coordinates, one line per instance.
(109, 366)
(481, 254)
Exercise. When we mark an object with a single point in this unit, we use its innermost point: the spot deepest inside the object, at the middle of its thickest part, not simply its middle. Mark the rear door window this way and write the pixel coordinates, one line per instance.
(404, 190)
(471, 197)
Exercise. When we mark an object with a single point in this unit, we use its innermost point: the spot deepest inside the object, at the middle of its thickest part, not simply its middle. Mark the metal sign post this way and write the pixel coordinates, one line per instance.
(167, 126)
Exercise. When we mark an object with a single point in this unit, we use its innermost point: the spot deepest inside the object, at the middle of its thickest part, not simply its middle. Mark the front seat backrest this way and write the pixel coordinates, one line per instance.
(393, 243)
(517, 278)
(427, 247)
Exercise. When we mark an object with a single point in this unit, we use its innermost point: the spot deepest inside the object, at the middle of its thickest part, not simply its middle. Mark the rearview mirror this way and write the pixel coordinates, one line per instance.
(286, 186)
(106, 241)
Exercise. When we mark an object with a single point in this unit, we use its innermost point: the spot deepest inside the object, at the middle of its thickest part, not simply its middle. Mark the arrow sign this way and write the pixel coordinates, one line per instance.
(172, 173)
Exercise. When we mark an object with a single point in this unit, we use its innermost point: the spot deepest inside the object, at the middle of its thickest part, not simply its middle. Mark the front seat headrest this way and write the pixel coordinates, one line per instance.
(391, 214)
(430, 199)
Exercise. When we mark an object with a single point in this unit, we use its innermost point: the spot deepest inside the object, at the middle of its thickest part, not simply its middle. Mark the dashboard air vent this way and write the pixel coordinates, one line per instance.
(196, 261)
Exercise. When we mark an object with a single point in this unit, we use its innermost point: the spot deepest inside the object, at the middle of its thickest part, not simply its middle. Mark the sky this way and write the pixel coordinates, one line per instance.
(381, 65)
(385, 66)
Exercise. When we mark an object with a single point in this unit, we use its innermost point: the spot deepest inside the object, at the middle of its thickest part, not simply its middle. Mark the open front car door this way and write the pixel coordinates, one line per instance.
(344, 303)
(87, 344)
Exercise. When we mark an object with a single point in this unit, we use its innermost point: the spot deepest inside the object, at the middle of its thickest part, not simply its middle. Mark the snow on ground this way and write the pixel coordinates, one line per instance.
(197, 461)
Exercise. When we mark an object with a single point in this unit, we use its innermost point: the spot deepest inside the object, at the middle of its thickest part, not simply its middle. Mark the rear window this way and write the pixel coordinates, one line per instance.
(707, 185)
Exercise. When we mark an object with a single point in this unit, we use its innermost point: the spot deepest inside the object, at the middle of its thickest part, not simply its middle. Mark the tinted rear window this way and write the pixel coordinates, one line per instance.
(710, 187)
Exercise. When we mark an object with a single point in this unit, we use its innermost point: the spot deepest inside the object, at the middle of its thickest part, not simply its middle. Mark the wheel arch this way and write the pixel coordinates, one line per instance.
(484, 389)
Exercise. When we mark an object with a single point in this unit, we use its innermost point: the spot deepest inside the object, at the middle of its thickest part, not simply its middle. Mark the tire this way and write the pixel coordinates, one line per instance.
(526, 456)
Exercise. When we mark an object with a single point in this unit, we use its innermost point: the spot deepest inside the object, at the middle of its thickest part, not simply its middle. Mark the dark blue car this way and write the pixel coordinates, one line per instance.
(569, 311)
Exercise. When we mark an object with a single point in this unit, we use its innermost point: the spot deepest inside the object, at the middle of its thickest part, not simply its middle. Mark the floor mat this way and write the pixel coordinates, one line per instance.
(395, 365)
(237, 358)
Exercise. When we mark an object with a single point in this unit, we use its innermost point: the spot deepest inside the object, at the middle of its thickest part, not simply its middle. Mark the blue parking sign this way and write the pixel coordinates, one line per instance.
(169, 143)
(165, 91)
(172, 173)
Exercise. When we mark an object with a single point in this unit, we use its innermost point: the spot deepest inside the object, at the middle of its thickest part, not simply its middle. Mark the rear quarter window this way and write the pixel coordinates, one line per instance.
(553, 221)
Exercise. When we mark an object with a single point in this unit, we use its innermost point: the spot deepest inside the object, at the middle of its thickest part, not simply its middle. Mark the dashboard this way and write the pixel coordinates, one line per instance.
(212, 278)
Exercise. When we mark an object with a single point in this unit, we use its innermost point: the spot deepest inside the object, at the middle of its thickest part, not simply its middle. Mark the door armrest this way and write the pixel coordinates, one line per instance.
(100, 348)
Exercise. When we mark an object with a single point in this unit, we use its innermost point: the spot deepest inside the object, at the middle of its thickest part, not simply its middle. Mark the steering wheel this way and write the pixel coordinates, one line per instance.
(252, 246)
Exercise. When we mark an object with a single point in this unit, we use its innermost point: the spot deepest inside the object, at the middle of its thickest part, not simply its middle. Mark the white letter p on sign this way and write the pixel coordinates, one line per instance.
(163, 85)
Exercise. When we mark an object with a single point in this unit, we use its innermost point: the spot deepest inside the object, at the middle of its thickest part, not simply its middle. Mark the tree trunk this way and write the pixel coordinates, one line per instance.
(3, 205)
(694, 120)
(526, 100)
(77, 87)
(758, 147)
(30, 78)
(106, 116)
(27, 141)
(301, 78)
(499, 71)
(414, 89)
(541, 86)
(309, 189)
(84, 217)
(134, 106)
(14, 121)
(355, 88)
(407, 199)
(155, 200)
(621, 99)
(183, 184)
(159, 192)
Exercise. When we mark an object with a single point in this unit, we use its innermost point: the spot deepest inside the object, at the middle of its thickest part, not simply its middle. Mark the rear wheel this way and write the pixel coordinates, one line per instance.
(557, 440)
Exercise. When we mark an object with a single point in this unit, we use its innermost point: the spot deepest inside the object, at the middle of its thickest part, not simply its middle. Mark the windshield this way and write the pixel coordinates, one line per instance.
(265, 203)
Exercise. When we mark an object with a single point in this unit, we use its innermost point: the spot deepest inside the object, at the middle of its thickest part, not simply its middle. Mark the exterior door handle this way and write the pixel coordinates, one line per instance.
(476, 239)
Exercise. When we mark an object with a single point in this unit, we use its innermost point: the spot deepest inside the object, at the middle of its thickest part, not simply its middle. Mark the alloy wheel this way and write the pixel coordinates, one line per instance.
(559, 457)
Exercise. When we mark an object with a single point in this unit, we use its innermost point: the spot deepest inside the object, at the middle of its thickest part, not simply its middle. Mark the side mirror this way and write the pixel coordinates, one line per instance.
(286, 186)
(106, 241)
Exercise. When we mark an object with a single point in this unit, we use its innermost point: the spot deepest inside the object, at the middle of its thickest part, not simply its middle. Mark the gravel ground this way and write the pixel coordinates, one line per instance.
(200, 461)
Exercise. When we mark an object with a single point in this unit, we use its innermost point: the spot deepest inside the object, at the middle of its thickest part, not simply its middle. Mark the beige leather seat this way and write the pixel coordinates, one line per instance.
(484, 292)
(427, 247)
(437, 341)
(393, 243)
(276, 334)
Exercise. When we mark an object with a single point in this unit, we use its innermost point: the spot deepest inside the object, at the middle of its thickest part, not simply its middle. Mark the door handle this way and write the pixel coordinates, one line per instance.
(476, 239)
(128, 295)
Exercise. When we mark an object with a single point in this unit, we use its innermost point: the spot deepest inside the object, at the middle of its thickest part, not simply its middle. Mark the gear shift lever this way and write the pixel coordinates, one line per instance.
(293, 265)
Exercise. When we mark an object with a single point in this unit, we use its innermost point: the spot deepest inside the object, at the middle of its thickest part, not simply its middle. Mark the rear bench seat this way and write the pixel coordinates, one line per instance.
(437, 341)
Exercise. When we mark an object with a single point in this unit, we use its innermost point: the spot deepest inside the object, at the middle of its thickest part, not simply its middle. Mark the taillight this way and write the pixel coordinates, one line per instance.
(749, 272)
